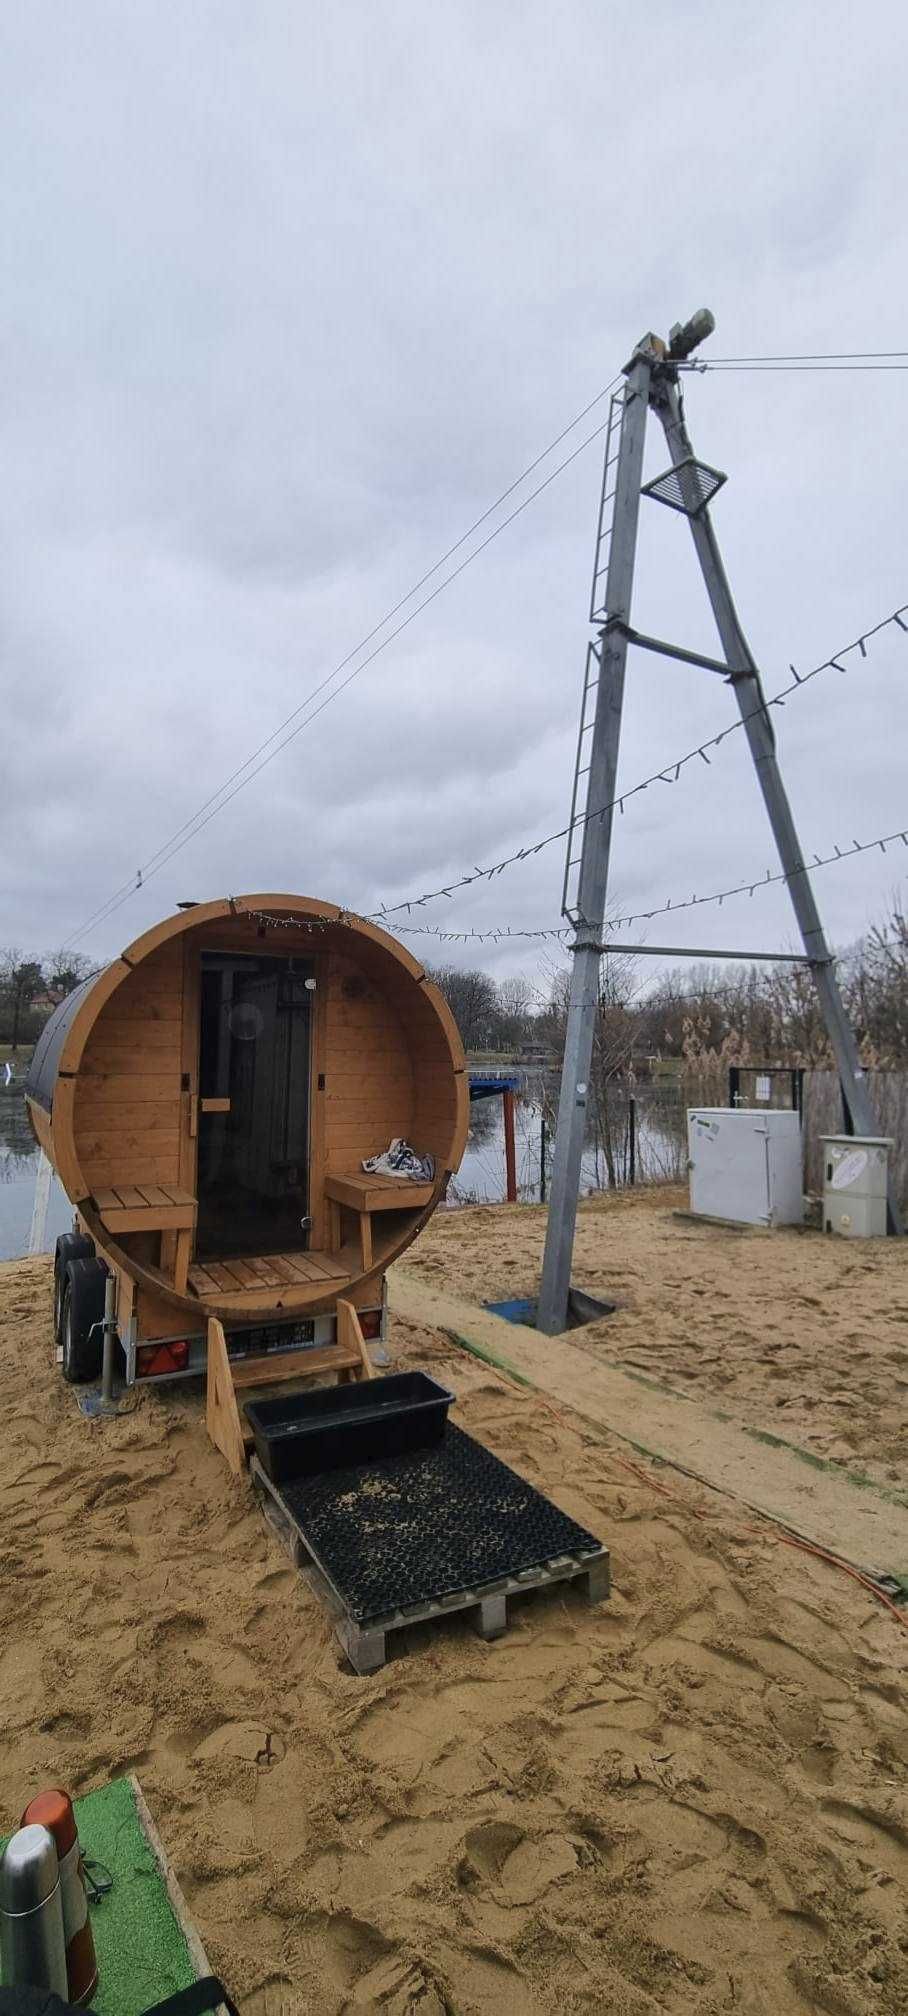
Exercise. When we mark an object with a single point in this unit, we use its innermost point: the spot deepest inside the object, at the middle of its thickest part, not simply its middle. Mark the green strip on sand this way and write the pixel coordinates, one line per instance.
(140, 1945)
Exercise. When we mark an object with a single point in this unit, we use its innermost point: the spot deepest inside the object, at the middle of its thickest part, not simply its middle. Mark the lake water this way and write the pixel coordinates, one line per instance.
(18, 1169)
(480, 1179)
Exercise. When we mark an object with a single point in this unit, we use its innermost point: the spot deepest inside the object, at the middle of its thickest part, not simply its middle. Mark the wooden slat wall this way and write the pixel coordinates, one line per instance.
(385, 1059)
(368, 1067)
(435, 1104)
(127, 1111)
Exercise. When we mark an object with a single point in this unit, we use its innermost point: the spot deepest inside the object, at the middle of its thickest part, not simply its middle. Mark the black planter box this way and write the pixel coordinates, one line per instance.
(335, 1426)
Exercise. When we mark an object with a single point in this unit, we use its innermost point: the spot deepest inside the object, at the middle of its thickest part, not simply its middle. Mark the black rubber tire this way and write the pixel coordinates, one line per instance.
(70, 1246)
(83, 1306)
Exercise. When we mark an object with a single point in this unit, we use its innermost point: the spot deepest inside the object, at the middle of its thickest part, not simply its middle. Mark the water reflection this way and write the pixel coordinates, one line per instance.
(657, 1152)
(18, 1169)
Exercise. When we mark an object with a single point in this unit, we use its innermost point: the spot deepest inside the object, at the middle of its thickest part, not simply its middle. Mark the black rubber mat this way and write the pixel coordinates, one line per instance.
(415, 1528)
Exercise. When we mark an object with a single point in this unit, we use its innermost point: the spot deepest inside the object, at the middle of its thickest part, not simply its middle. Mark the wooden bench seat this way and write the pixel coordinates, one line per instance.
(153, 1207)
(364, 1194)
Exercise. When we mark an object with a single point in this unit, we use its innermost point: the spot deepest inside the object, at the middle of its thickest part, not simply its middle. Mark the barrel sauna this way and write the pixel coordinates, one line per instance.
(208, 1100)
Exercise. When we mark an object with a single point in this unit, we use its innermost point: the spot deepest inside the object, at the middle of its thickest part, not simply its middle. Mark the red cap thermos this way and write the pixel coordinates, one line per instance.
(54, 1810)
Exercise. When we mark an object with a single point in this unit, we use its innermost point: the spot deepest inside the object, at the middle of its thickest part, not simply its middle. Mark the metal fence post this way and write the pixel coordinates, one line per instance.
(110, 1331)
(510, 1158)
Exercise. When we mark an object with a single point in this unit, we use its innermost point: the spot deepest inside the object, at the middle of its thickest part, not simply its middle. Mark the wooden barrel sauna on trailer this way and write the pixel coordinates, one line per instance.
(208, 1101)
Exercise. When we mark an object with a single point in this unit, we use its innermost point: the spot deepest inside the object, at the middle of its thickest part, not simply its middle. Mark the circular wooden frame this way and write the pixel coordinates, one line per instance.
(54, 1079)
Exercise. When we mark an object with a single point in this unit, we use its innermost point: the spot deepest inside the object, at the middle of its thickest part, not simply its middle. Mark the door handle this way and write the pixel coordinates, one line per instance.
(214, 1105)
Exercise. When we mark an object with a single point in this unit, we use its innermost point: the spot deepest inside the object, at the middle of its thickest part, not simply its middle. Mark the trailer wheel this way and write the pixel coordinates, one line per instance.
(70, 1246)
(83, 1307)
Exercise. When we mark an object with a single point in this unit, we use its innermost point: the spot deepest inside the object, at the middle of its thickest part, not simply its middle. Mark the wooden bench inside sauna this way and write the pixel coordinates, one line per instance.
(209, 1098)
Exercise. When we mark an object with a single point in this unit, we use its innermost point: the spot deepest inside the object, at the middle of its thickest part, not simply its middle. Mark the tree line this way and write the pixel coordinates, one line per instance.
(767, 1014)
(30, 987)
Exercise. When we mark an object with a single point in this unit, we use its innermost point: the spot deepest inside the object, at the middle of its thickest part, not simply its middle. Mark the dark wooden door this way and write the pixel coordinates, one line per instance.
(254, 1068)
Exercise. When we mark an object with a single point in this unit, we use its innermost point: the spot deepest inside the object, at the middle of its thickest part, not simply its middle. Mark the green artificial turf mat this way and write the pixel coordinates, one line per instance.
(140, 1945)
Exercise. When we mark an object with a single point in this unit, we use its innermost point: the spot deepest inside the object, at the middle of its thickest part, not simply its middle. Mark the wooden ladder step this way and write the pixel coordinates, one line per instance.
(277, 1366)
(227, 1376)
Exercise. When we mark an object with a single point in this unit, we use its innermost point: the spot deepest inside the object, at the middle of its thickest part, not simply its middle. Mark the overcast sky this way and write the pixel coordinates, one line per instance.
(289, 294)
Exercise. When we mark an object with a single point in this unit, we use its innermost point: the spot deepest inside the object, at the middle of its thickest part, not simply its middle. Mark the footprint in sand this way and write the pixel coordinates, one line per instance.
(868, 1826)
(501, 1857)
(349, 1946)
(116, 1485)
(277, 1580)
(178, 1632)
(271, 1998)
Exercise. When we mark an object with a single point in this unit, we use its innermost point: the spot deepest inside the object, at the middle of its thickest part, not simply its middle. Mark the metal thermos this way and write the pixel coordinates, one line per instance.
(32, 1944)
(54, 1810)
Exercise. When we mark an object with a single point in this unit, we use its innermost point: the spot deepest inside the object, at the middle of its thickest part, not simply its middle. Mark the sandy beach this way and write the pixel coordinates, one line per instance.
(801, 1335)
(691, 1798)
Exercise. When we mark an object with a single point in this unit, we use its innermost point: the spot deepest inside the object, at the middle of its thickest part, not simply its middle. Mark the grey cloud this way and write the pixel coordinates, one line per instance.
(287, 298)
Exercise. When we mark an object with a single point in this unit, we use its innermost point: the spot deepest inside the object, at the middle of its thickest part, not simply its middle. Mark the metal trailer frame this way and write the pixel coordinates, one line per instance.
(652, 380)
(324, 1331)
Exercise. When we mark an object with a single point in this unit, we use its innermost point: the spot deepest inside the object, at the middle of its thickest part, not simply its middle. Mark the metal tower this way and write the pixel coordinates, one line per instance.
(652, 382)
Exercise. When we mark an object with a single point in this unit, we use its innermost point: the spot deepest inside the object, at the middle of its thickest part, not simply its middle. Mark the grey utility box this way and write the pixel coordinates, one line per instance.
(855, 1171)
(745, 1165)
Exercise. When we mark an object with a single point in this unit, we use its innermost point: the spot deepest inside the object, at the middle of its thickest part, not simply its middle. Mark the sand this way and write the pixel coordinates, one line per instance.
(800, 1334)
(691, 1799)
(836, 1509)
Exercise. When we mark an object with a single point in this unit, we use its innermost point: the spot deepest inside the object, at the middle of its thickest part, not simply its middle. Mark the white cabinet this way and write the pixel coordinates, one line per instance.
(745, 1165)
(855, 1171)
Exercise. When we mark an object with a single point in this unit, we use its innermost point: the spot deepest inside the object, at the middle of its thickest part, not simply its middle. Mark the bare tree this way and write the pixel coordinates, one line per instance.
(20, 980)
(66, 970)
(877, 989)
(471, 997)
(513, 1006)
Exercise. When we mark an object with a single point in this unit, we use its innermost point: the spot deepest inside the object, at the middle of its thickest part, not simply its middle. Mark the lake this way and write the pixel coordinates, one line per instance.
(18, 1169)
(479, 1180)
(659, 1145)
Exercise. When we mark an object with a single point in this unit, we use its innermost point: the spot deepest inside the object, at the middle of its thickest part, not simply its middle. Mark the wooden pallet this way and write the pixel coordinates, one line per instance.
(348, 1358)
(366, 1645)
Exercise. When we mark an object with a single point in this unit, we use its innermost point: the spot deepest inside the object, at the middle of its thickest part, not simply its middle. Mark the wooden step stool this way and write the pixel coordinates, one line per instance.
(227, 1428)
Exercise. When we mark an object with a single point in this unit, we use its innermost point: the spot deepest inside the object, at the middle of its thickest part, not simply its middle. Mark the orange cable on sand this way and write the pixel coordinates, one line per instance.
(784, 1539)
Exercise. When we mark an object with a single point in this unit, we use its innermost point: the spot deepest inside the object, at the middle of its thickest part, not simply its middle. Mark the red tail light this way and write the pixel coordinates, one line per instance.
(370, 1322)
(152, 1360)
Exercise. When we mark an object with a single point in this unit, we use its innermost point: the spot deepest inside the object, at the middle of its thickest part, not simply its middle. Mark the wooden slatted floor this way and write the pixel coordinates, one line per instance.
(221, 1278)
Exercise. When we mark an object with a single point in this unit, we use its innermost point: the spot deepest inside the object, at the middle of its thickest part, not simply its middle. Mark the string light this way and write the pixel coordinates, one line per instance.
(500, 933)
(531, 848)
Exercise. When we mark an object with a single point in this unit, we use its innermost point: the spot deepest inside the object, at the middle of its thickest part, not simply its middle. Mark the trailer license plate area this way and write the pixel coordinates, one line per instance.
(268, 1337)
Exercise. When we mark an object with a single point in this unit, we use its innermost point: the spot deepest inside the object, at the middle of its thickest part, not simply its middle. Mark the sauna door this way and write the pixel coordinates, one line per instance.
(253, 1129)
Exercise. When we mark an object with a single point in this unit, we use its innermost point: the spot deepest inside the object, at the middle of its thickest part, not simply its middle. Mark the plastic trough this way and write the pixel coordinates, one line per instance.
(337, 1426)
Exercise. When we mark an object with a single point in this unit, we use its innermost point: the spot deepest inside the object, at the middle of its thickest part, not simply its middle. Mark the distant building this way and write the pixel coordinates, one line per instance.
(48, 999)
